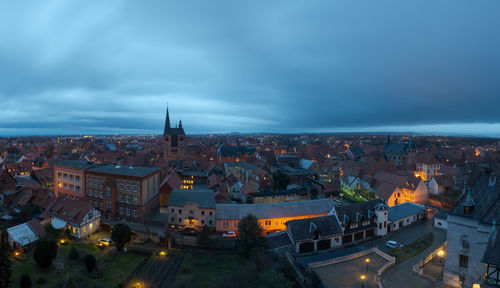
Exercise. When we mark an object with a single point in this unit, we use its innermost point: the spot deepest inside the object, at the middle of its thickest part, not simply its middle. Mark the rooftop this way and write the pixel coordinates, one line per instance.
(135, 171)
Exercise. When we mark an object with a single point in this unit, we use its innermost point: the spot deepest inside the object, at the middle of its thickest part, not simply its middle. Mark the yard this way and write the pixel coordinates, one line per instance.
(115, 267)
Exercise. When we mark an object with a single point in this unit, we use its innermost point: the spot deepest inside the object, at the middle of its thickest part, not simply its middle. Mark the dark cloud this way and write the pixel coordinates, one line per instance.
(223, 66)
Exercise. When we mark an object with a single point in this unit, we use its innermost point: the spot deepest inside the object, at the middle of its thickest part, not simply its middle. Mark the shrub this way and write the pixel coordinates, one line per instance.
(41, 281)
(120, 235)
(90, 262)
(25, 281)
(73, 254)
(45, 252)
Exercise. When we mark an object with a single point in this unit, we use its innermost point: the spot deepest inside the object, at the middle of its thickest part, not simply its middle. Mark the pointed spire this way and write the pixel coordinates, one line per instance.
(167, 123)
(180, 124)
(388, 138)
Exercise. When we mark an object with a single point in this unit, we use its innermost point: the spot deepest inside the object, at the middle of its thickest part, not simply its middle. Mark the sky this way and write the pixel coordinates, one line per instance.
(105, 67)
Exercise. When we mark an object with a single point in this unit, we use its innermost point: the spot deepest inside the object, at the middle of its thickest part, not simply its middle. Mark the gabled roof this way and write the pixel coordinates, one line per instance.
(71, 211)
(205, 198)
(305, 229)
(357, 211)
(404, 210)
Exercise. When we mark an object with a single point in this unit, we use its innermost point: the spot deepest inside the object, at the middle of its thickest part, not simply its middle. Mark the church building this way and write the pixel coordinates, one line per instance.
(174, 143)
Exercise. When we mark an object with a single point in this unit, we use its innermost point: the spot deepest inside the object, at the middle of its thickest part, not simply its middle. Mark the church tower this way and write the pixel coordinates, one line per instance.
(174, 142)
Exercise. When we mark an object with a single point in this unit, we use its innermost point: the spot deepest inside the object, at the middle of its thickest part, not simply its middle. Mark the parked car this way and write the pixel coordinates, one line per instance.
(393, 244)
(105, 242)
(229, 234)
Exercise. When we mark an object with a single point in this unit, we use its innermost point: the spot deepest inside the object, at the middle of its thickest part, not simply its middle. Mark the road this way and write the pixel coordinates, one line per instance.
(402, 275)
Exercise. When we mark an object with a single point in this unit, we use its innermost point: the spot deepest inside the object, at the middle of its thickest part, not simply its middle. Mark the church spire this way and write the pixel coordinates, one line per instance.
(167, 123)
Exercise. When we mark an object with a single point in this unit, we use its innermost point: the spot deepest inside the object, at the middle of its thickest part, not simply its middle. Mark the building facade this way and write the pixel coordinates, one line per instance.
(123, 192)
(69, 179)
(191, 209)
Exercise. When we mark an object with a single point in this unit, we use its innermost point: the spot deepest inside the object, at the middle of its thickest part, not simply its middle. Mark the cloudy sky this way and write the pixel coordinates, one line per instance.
(69, 67)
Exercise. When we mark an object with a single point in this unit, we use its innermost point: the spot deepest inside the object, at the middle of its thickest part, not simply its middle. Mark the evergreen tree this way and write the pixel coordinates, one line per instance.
(251, 234)
(25, 281)
(5, 264)
(120, 235)
(203, 239)
(45, 252)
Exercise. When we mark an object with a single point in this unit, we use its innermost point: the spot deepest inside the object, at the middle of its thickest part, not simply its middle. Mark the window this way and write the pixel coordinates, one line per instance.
(100, 205)
(121, 198)
(172, 219)
(464, 243)
(128, 211)
(173, 211)
(202, 222)
(108, 191)
(77, 188)
(463, 261)
(89, 180)
(108, 204)
(128, 199)
(71, 187)
(180, 220)
(121, 210)
(71, 177)
(65, 176)
(101, 181)
(180, 211)
(65, 186)
(77, 178)
(210, 222)
(128, 187)
(135, 188)
(136, 201)
(95, 181)
(121, 186)
(95, 203)
(408, 220)
(202, 212)
(59, 175)
(210, 213)
(135, 212)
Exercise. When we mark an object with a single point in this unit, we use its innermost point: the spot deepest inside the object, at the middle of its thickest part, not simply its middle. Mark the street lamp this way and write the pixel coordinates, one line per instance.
(363, 281)
(367, 260)
(441, 254)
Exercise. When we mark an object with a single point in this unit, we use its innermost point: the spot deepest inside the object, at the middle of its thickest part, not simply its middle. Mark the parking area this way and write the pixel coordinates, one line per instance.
(356, 272)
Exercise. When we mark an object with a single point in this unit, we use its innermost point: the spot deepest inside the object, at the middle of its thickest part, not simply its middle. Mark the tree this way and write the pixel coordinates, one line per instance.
(51, 232)
(90, 262)
(73, 254)
(25, 281)
(203, 239)
(251, 234)
(120, 235)
(45, 252)
(5, 264)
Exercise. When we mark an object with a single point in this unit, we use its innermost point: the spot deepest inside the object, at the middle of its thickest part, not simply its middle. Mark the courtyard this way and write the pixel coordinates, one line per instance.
(351, 271)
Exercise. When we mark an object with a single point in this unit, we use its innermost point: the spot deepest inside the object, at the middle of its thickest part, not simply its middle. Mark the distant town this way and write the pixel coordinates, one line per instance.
(241, 210)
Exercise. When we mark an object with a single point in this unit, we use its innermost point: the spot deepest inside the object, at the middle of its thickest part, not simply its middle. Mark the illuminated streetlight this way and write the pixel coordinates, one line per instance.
(367, 260)
(363, 281)
(441, 254)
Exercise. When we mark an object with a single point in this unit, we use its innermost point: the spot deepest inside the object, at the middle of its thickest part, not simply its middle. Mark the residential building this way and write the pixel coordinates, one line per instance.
(80, 217)
(191, 209)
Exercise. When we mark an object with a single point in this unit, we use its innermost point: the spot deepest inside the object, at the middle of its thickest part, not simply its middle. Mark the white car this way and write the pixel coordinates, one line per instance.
(229, 234)
(393, 244)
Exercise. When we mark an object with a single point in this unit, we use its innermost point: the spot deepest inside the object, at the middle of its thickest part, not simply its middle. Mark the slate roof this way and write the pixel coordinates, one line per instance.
(355, 211)
(492, 254)
(136, 171)
(404, 210)
(205, 198)
(395, 148)
(274, 210)
(305, 229)
(278, 240)
(486, 201)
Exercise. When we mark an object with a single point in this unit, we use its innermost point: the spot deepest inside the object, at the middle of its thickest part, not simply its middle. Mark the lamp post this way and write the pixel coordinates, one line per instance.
(367, 260)
(440, 254)
(363, 281)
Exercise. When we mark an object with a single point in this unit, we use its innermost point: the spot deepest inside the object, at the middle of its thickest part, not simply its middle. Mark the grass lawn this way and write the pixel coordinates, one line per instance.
(115, 267)
(411, 250)
(204, 268)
